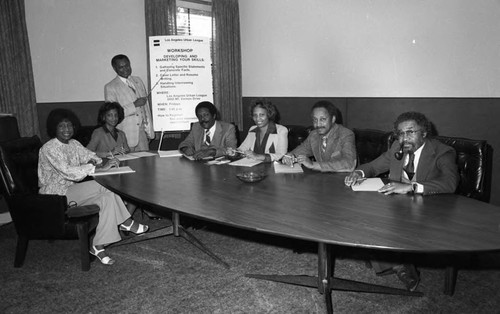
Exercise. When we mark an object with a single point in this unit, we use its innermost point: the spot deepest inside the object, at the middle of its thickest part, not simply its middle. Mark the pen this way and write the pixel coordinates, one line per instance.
(358, 181)
(293, 159)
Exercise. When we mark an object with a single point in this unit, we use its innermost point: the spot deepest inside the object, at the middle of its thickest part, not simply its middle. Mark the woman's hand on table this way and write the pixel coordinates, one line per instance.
(107, 164)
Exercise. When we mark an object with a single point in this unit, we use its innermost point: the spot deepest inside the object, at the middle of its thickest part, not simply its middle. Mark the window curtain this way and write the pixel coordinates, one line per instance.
(17, 87)
(227, 60)
(161, 20)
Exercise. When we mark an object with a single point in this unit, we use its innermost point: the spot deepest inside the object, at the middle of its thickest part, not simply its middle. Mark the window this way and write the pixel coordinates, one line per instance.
(194, 18)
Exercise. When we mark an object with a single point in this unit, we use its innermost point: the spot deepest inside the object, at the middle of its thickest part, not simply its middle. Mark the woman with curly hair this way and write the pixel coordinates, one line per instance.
(62, 165)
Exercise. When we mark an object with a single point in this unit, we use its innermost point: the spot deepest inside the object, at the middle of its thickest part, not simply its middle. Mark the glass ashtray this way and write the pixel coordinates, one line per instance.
(251, 176)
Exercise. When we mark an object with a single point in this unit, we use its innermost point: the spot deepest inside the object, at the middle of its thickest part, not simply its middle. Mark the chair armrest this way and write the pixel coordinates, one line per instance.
(38, 215)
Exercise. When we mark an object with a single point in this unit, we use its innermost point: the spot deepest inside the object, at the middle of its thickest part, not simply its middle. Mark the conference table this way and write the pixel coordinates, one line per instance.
(311, 206)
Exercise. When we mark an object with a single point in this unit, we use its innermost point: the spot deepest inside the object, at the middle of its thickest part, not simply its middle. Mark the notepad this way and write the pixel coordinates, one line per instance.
(118, 170)
(169, 153)
(245, 162)
(281, 168)
(370, 184)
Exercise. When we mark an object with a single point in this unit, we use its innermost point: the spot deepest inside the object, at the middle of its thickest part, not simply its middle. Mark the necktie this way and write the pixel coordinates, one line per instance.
(323, 144)
(131, 86)
(207, 137)
(410, 167)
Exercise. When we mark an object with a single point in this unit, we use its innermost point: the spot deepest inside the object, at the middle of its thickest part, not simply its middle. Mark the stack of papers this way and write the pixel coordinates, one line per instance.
(281, 168)
(370, 184)
(169, 153)
(245, 162)
(118, 170)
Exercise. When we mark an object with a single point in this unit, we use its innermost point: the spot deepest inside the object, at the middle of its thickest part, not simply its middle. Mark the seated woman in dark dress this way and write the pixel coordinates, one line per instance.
(108, 140)
(266, 140)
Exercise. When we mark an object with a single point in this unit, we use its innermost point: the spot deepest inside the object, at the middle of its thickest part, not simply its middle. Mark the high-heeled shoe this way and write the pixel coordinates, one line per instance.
(140, 230)
(106, 260)
(150, 215)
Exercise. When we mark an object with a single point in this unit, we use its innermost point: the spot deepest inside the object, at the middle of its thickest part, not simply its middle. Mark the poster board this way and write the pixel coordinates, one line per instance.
(181, 77)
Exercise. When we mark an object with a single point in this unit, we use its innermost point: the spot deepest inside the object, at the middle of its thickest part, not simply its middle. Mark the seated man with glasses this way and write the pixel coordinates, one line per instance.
(416, 164)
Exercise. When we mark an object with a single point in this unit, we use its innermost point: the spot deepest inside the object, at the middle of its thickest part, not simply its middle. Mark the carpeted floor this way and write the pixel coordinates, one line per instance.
(169, 275)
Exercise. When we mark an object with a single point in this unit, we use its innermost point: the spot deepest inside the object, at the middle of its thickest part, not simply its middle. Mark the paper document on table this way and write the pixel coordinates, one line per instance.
(126, 157)
(169, 153)
(245, 162)
(118, 170)
(281, 168)
(370, 184)
(5, 218)
(142, 154)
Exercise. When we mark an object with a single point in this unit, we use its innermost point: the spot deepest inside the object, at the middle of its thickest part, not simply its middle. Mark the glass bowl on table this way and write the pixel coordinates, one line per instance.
(251, 176)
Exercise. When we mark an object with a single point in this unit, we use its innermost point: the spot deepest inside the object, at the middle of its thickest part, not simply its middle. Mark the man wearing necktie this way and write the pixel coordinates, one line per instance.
(417, 164)
(129, 91)
(209, 137)
(331, 144)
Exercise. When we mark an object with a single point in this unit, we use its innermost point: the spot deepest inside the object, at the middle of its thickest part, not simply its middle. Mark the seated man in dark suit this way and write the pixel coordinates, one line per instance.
(331, 144)
(208, 137)
(416, 164)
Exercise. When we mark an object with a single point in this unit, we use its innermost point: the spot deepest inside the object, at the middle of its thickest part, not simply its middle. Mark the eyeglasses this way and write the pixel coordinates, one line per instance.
(409, 133)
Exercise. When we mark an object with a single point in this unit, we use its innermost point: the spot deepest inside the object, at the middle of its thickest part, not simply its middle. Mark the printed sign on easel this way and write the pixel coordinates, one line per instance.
(181, 77)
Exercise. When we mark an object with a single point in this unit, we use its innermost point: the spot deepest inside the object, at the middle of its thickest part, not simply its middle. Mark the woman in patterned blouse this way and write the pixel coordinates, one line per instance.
(63, 163)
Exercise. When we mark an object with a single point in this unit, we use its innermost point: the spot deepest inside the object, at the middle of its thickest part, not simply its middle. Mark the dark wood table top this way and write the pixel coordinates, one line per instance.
(311, 206)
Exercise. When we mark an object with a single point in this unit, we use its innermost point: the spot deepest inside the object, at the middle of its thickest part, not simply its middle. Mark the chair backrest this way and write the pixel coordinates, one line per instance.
(370, 144)
(296, 135)
(84, 134)
(19, 164)
(474, 161)
(8, 128)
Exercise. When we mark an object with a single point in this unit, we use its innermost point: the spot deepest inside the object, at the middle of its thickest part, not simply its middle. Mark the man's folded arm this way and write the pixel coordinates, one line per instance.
(447, 177)
(345, 161)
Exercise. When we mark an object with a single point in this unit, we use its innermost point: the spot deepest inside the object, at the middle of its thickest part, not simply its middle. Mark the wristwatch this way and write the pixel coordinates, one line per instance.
(414, 187)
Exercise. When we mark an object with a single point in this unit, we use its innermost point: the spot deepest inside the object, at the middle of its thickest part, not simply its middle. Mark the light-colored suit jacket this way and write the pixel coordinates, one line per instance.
(436, 170)
(340, 154)
(278, 139)
(224, 136)
(119, 92)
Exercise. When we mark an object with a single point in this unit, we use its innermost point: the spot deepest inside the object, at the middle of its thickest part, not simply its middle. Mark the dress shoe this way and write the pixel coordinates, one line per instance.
(151, 215)
(139, 228)
(408, 274)
(106, 260)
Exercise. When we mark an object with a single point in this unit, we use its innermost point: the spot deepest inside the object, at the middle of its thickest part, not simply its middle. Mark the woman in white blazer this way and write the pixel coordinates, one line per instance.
(266, 140)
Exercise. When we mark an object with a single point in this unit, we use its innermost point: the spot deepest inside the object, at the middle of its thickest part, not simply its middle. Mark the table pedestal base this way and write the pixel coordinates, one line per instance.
(325, 282)
(177, 230)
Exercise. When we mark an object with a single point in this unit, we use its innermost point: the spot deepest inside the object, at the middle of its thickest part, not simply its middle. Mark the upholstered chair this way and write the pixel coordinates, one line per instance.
(36, 216)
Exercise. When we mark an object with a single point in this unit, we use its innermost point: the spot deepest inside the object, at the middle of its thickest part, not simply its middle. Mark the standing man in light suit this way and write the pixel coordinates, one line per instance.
(130, 93)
